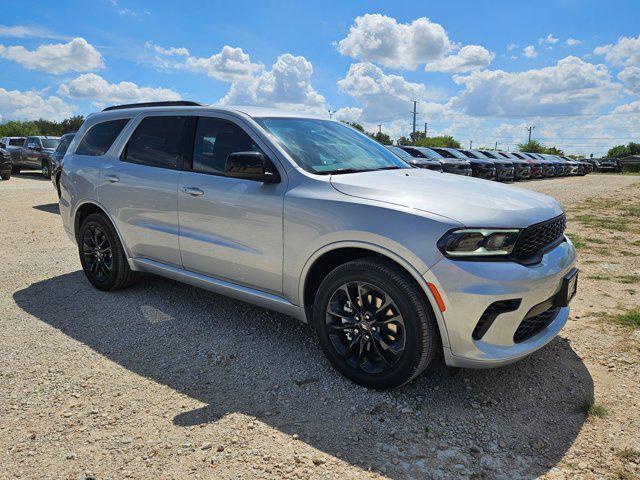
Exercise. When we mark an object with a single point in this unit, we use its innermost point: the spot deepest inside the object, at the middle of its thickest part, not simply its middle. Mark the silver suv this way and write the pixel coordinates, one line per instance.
(391, 265)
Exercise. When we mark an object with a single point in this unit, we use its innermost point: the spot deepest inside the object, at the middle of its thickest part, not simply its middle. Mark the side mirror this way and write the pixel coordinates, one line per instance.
(251, 166)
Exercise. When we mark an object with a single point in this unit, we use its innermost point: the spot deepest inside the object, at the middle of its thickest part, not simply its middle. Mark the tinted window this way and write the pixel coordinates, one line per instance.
(489, 154)
(64, 144)
(100, 137)
(50, 142)
(215, 140)
(414, 153)
(157, 142)
(429, 153)
(444, 153)
(16, 142)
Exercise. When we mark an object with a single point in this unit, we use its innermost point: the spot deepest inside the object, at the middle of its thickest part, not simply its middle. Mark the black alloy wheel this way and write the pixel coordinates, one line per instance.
(98, 255)
(366, 327)
(46, 169)
(374, 323)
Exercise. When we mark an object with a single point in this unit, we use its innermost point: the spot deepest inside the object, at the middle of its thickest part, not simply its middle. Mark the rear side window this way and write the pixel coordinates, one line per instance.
(99, 138)
(215, 140)
(16, 142)
(157, 142)
(64, 144)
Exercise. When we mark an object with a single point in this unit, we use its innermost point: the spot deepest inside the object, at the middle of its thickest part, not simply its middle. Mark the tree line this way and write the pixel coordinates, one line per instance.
(16, 128)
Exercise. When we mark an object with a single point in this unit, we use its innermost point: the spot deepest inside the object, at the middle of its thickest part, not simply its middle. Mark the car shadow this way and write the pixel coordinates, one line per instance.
(31, 175)
(238, 358)
(49, 208)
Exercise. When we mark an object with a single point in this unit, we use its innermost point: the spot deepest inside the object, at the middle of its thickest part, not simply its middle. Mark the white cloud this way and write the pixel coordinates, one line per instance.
(99, 91)
(572, 42)
(633, 107)
(530, 51)
(381, 39)
(626, 51)
(287, 85)
(17, 105)
(468, 58)
(382, 96)
(24, 31)
(230, 64)
(571, 86)
(511, 46)
(78, 55)
(171, 51)
(549, 40)
(630, 76)
(348, 114)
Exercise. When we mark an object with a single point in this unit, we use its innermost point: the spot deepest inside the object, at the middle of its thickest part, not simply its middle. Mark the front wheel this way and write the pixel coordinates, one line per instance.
(103, 259)
(46, 169)
(15, 170)
(375, 324)
(5, 176)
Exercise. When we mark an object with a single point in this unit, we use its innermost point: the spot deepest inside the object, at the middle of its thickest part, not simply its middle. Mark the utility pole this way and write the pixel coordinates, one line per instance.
(379, 128)
(425, 129)
(470, 144)
(496, 147)
(331, 112)
(530, 129)
(415, 112)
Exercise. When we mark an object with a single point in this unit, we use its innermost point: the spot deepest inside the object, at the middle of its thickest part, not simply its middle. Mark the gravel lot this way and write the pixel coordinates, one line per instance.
(167, 381)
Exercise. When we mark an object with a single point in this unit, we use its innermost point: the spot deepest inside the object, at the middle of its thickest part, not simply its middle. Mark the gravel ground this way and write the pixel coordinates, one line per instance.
(168, 381)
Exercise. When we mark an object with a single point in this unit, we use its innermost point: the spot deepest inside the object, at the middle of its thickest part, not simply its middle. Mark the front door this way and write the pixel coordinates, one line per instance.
(140, 188)
(230, 229)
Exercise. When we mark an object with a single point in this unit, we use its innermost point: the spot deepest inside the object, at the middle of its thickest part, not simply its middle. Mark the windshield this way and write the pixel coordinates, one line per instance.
(50, 142)
(400, 152)
(444, 153)
(428, 153)
(468, 154)
(325, 147)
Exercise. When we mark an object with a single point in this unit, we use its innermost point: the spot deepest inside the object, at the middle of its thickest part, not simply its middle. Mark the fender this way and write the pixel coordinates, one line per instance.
(419, 278)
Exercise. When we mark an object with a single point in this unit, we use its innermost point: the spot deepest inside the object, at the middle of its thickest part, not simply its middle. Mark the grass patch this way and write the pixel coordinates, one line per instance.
(628, 279)
(577, 240)
(628, 319)
(598, 241)
(592, 409)
(631, 291)
(619, 224)
(629, 454)
(636, 243)
(598, 277)
(626, 253)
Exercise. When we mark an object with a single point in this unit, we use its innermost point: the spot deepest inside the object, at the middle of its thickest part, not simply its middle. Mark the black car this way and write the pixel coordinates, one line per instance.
(504, 168)
(417, 159)
(607, 165)
(548, 169)
(521, 169)
(448, 165)
(481, 168)
(56, 159)
(5, 162)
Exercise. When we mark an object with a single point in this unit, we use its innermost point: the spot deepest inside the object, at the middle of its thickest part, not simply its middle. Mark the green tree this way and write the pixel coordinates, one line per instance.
(553, 151)
(17, 128)
(619, 151)
(383, 138)
(440, 141)
(355, 125)
(532, 146)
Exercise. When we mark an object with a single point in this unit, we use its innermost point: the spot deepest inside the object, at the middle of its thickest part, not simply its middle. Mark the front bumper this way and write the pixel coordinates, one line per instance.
(522, 172)
(468, 288)
(504, 174)
(488, 173)
(458, 169)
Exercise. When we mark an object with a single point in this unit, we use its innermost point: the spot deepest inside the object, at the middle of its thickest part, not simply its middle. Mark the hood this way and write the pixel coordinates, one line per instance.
(470, 201)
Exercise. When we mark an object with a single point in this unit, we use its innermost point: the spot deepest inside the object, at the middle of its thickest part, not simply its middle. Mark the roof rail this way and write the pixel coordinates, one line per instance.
(178, 103)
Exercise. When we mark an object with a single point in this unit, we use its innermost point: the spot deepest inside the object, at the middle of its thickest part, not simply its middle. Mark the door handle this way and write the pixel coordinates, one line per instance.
(112, 178)
(193, 191)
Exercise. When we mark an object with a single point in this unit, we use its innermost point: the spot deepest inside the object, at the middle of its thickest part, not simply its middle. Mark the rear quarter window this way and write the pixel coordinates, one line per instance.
(100, 137)
(158, 142)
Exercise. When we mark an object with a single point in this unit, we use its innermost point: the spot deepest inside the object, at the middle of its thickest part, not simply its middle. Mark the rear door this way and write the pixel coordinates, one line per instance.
(230, 228)
(139, 186)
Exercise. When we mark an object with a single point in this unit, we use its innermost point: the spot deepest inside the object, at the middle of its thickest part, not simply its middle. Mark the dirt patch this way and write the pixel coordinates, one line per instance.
(168, 381)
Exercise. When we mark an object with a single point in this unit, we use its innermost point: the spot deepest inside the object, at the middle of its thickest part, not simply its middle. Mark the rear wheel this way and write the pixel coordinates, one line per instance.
(15, 169)
(374, 324)
(102, 256)
(5, 176)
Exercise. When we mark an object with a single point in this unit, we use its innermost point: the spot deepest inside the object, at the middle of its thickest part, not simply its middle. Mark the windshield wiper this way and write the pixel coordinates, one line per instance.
(339, 171)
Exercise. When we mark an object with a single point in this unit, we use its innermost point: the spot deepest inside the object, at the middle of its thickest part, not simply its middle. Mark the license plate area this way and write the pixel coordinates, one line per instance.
(568, 289)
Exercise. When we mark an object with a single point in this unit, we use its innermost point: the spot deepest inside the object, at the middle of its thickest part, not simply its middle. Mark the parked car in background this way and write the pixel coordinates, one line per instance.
(56, 159)
(505, 169)
(537, 167)
(480, 167)
(418, 161)
(391, 265)
(5, 162)
(566, 168)
(36, 154)
(607, 165)
(449, 165)
(555, 168)
(522, 167)
(13, 145)
(586, 167)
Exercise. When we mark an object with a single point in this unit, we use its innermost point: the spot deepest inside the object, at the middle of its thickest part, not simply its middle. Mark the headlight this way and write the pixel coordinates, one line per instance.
(478, 242)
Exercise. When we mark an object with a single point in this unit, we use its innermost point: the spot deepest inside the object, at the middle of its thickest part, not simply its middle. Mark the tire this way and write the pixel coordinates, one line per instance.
(46, 169)
(15, 169)
(418, 333)
(118, 275)
(5, 176)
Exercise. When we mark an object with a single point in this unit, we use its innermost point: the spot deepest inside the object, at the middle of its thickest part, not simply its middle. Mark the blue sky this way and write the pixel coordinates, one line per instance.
(481, 71)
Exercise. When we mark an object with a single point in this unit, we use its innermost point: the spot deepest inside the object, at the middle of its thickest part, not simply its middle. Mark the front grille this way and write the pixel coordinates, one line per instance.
(536, 238)
(533, 325)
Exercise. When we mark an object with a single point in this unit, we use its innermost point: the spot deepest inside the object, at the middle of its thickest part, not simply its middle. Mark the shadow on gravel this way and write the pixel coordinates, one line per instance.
(49, 208)
(31, 175)
(516, 420)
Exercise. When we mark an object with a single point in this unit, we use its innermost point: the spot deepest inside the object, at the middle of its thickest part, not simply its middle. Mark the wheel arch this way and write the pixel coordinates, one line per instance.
(331, 256)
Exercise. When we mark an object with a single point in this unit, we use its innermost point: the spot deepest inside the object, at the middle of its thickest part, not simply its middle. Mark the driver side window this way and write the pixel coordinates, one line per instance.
(214, 141)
